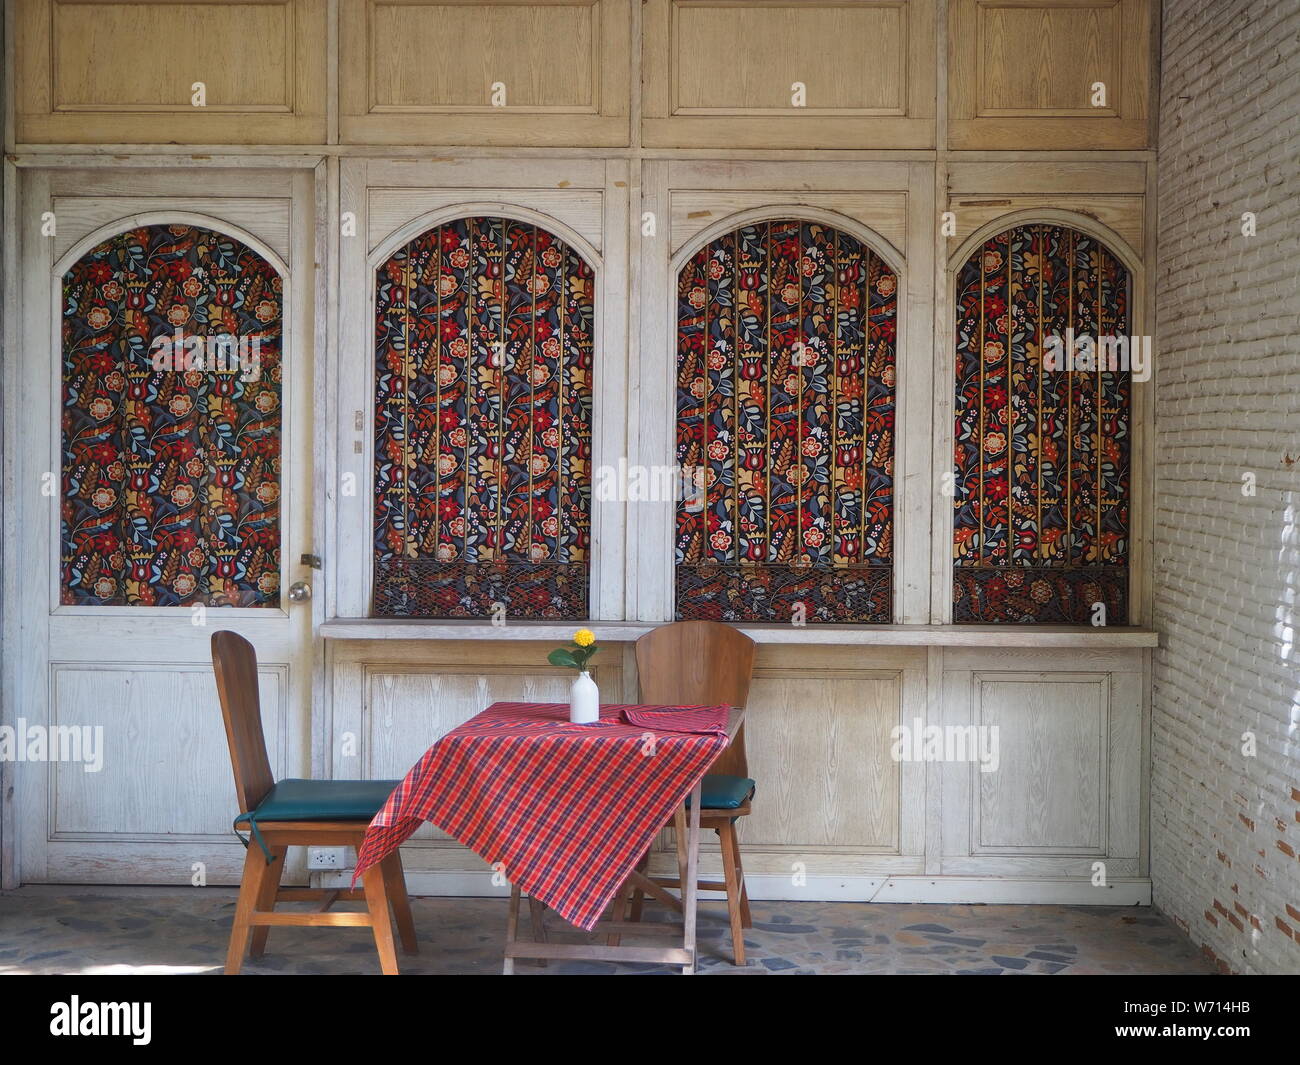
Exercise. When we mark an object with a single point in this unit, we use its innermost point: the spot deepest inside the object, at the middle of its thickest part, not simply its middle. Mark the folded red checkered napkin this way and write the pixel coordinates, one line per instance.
(699, 719)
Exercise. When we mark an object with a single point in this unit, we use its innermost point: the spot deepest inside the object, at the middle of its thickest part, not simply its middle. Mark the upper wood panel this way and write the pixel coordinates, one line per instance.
(109, 71)
(726, 74)
(1023, 74)
(519, 72)
(778, 74)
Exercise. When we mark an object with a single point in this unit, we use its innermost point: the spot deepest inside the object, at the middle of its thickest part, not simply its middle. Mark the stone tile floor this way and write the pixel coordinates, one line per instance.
(155, 930)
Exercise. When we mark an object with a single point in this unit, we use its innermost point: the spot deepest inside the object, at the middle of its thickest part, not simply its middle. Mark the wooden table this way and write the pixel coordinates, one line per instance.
(540, 947)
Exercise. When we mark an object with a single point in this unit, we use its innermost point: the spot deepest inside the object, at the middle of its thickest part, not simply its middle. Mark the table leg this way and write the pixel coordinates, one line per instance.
(537, 921)
(512, 927)
(690, 884)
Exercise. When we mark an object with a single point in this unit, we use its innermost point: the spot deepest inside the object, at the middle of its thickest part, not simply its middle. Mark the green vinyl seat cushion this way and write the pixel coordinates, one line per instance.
(323, 800)
(316, 800)
(721, 792)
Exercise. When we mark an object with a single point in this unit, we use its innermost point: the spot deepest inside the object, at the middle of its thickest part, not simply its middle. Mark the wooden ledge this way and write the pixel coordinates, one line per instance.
(997, 636)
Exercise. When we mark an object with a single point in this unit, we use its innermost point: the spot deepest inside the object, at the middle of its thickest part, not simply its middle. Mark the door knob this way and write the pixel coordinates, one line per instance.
(299, 591)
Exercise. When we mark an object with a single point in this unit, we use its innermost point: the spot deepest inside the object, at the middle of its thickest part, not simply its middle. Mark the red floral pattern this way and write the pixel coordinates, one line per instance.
(484, 332)
(171, 478)
(785, 400)
(1042, 455)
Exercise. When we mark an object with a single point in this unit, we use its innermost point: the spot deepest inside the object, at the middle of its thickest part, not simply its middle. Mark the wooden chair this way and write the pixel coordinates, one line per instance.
(310, 813)
(702, 663)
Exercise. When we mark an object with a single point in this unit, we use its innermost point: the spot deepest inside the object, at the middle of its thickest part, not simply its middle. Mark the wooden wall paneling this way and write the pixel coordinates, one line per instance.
(119, 72)
(695, 210)
(391, 209)
(1021, 73)
(914, 477)
(1126, 728)
(831, 799)
(1112, 194)
(1068, 790)
(9, 333)
(427, 72)
(158, 781)
(323, 241)
(1048, 794)
(1142, 521)
(1141, 765)
(352, 367)
(820, 746)
(1118, 213)
(651, 427)
(610, 443)
(868, 68)
(88, 215)
(1042, 660)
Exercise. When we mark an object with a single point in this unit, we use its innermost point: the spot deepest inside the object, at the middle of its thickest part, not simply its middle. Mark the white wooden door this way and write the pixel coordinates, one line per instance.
(108, 639)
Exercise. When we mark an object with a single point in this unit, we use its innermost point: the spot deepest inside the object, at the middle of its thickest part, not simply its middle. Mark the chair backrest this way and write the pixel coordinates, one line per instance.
(235, 664)
(699, 663)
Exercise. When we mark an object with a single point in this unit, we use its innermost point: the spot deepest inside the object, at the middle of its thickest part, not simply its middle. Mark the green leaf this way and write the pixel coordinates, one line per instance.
(562, 656)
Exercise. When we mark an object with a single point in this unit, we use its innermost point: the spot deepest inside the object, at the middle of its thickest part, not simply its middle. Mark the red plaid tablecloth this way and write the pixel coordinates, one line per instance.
(567, 809)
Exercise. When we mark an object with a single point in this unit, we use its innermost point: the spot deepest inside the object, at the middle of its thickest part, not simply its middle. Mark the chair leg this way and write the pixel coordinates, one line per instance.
(256, 871)
(746, 920)
(727, 837)
(266, 900)
(380, 919)
(395, 882)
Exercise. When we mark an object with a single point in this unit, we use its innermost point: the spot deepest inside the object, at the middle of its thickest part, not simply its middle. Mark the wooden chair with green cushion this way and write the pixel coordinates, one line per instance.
(701, 663)
(309, 813)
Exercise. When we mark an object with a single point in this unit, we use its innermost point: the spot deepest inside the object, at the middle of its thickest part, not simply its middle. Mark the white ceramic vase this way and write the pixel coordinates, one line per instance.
(584, 700)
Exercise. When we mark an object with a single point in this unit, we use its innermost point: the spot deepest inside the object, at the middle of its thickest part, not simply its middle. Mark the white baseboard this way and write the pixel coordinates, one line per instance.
(937, 889)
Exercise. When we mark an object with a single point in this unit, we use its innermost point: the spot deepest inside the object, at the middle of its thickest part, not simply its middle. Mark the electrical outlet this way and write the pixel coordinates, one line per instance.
(326, 857)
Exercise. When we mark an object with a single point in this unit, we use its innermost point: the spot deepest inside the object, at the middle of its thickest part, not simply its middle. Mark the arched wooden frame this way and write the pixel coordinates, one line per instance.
(786, 332)
(1043, 456)
(485, 332)
(171, 468)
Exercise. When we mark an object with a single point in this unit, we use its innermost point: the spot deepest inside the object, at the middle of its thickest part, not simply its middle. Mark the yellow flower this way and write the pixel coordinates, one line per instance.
(584, 637)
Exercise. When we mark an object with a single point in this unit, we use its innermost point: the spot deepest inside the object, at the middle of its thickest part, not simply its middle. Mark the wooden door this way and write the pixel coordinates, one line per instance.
(163, 494)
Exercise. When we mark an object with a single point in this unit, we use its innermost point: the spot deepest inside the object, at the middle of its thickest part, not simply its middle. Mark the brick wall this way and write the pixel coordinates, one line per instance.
(1225, 828)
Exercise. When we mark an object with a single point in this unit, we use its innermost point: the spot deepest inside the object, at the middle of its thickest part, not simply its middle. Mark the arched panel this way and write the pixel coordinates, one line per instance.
(1042, 430)
(171, 422)
(785, 407)
(484, 333)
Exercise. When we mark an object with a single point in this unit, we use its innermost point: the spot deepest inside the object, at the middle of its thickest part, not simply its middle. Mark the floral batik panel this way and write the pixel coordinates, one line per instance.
(785, 427)
(171, 423)
(484, 334)
(1041, 520)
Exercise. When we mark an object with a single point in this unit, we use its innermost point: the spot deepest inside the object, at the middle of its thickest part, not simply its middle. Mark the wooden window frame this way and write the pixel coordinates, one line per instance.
(392, 202)
(1141, 408)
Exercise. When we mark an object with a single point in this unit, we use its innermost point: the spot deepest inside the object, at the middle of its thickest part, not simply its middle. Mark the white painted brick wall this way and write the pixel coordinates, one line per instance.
(1225, 829)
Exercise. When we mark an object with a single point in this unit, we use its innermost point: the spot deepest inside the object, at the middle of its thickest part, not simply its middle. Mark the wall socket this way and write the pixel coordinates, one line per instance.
(326, 857)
